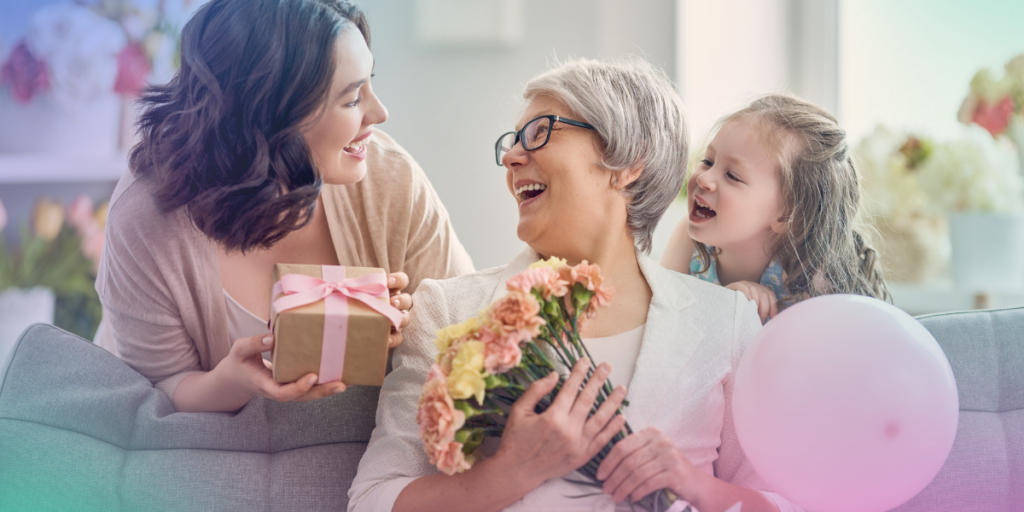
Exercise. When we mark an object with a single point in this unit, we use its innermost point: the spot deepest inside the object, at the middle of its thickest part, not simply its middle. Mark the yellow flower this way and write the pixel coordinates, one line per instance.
(467, 379)
(101, 213)
(446, 336)
(47, 219)
(551, 262)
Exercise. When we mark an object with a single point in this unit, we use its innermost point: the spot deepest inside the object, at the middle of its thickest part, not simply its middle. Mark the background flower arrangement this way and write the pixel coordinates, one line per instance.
(60, 252)
(80, 50)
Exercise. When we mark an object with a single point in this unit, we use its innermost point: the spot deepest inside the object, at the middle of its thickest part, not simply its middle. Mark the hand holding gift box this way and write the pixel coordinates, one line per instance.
(333, 321)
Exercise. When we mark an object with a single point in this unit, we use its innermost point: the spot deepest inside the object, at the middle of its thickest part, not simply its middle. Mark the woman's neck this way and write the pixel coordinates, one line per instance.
(620, 270)
(742, 263)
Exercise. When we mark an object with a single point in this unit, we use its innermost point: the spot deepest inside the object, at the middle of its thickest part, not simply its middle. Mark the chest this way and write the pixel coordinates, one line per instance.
(248, 277)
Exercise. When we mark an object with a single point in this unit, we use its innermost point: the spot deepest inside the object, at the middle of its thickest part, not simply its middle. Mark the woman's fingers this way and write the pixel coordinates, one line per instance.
(248, 347)
(567, 395)
(762, 307)
(321, 391)
(585, 401)
(619, 453)
(606, 434)
(402, 301)
(604, 414)
(395, 339)
(773, 310)
(397, 281)
(537, 390)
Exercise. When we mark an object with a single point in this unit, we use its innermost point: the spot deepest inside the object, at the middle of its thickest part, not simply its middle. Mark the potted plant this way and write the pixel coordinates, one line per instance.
(50, 276)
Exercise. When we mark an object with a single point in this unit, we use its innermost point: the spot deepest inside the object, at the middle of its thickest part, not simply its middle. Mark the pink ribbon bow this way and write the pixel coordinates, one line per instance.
(334, 289)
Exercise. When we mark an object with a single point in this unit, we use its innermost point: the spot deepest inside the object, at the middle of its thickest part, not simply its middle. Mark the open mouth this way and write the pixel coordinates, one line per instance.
(527, 192)
(356, 147)
(701, 210)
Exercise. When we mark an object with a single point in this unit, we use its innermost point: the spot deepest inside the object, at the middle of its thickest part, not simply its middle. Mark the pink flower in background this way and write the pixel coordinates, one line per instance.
(994, 117)
(3, 216)
(132, 70)
(25, 74)
(92, 244)
(80, 213)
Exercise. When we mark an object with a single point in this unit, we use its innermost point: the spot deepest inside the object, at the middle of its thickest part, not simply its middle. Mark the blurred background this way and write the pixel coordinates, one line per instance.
(929, 91)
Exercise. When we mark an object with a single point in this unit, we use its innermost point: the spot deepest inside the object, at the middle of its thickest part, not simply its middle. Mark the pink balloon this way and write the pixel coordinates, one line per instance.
(845, 403)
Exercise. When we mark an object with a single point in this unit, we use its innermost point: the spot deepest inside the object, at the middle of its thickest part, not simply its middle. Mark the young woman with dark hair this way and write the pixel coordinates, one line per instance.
(261, 150)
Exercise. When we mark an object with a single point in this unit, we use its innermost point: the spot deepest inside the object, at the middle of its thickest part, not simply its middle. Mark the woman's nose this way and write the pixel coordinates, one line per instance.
(515, 157)
(377, 113)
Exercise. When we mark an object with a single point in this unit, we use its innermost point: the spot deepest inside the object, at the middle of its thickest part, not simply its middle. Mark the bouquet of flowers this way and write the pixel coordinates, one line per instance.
(485, 364)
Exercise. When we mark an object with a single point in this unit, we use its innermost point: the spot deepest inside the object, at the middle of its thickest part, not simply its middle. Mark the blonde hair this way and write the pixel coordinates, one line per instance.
(823, 249)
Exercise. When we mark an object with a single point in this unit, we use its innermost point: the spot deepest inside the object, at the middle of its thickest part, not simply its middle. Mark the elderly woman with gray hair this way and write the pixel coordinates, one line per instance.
(595, 160)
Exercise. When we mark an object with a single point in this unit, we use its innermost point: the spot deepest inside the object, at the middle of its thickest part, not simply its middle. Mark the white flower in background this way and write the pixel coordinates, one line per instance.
(976, 173)
(888, 177)
(80, 49)
(160, 48)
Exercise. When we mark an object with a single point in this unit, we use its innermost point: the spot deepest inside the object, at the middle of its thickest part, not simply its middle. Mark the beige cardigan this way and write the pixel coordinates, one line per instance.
(159, 277)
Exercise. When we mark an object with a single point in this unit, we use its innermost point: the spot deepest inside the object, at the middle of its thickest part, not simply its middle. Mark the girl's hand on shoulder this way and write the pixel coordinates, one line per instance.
(536, 447)
(397, 282)
(246, 369)
(645, 462)
(767, 302)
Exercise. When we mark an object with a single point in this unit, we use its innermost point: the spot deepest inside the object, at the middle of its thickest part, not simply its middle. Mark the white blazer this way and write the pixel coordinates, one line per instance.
(695, 334)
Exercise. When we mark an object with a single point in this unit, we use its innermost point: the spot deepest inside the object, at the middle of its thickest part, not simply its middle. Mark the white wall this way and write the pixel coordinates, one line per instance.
(449, 104)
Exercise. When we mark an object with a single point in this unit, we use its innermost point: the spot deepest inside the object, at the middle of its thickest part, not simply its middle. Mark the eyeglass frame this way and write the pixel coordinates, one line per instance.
(519, 135)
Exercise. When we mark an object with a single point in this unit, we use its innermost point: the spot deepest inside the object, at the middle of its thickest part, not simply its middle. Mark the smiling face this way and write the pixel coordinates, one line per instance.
(337, 134)
(734, 195)
(566, 201)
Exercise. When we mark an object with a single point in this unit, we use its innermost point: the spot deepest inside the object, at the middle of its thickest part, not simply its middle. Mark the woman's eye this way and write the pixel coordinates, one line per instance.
(355, 103)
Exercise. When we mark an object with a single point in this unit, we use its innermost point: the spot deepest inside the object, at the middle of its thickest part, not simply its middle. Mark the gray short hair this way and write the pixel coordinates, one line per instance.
(640, 119)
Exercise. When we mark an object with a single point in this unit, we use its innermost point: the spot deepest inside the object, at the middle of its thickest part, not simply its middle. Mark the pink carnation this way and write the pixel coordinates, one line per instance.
(438, 419)
(589, 276)
(545, 280)
(24, 73)
(517, 312)
(501, 353)
(450, 459)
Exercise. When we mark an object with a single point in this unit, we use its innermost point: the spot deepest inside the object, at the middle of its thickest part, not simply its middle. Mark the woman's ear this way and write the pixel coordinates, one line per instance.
(623, 178)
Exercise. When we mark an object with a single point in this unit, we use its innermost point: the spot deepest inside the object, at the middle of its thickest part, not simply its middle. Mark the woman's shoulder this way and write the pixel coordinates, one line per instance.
(466, 294)
(134, 209)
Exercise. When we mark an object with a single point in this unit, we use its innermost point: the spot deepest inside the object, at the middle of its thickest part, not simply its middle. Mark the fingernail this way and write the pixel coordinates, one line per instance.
(606, 367)
(311, 380)
(337, 390)
(397, 302)
(392, 280)
(267, 340)
(552, 375)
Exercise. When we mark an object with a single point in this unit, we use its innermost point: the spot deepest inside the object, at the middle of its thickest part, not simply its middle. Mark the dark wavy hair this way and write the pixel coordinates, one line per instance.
(222, 138)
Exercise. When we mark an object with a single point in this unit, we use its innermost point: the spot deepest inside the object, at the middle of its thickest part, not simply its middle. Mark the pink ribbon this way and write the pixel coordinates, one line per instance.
(334, 289)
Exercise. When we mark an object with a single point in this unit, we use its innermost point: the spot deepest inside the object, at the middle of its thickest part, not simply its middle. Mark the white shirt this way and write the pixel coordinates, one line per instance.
(620, 350)
(695, 335)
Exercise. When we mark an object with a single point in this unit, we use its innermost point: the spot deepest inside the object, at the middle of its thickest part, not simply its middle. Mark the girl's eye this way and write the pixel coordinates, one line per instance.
(733, 177)
(706, 163)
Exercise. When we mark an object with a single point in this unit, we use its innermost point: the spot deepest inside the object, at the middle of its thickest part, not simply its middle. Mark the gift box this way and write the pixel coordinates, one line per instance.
(333, 321)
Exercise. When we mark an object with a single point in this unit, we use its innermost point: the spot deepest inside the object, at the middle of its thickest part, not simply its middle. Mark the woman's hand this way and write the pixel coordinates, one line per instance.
(645, 462)
(403, 301)
(537, 447)
(246, 370)
(767, 302)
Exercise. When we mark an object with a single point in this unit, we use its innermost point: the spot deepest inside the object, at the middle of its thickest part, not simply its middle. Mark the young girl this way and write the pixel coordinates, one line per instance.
(773, 207)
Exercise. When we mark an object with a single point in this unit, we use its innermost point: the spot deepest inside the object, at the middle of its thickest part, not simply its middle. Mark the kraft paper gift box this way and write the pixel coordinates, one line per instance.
(356, 342)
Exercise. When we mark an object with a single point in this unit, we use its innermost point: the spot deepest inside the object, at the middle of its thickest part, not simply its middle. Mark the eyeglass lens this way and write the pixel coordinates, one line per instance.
(535, 134)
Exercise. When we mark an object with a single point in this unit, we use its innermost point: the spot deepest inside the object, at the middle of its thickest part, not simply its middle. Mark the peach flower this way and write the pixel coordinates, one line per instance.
(501, 353)
(438, 418)
(545, 280)
(517, 311)
(450, 459)
(589, 275)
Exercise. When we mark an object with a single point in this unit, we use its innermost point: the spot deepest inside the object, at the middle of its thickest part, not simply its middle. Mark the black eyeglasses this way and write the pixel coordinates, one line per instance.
(534, 135)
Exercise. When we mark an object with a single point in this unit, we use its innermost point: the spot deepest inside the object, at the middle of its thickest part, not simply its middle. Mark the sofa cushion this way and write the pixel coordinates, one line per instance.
(80, 429)
(985, 468)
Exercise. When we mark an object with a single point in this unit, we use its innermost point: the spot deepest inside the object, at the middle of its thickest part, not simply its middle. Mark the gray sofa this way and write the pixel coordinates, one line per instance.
(80, 430)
